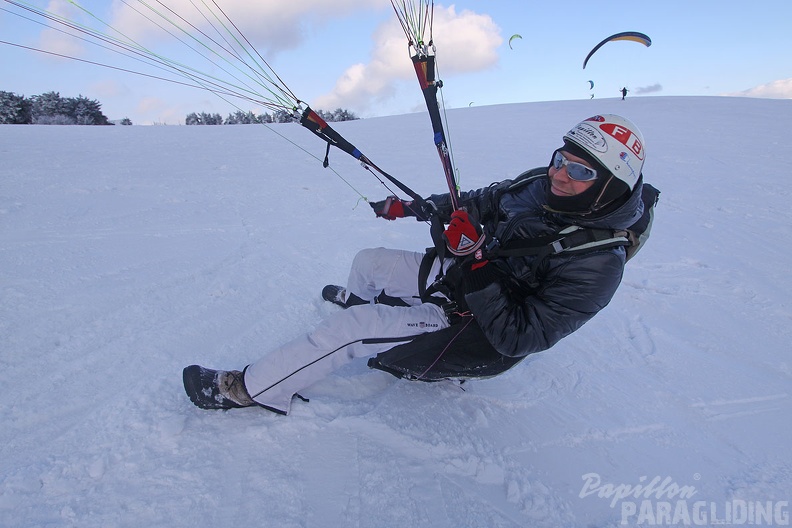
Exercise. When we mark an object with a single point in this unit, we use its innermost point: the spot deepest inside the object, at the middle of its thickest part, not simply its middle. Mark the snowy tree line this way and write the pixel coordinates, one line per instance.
(249, 118)
(50, 109)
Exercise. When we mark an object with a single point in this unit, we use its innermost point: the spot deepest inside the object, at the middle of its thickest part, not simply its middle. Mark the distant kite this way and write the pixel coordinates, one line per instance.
(591, 83)
(627, 35)
(512, 38)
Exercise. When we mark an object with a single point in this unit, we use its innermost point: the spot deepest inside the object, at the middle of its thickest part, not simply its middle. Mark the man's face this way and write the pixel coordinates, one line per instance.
(560, 182)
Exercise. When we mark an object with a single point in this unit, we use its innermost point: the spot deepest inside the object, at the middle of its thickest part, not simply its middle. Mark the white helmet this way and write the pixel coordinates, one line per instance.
(615, 142)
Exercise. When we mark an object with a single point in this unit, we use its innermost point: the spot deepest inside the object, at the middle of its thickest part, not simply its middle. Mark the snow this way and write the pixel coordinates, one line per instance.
(128, 253)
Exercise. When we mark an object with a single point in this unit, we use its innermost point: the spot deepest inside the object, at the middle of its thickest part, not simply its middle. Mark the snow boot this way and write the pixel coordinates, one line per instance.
(216, 389)
(338, 295)
(335, 294)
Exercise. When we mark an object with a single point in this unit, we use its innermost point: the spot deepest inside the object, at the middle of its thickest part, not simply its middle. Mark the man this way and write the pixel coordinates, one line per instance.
(487, 293)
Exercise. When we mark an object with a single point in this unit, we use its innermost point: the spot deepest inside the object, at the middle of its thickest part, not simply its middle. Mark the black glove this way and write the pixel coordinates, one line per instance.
(392, 208)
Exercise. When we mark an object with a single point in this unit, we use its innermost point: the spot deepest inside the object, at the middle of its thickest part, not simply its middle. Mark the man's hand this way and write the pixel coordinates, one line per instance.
(464, 237)
(392, 208)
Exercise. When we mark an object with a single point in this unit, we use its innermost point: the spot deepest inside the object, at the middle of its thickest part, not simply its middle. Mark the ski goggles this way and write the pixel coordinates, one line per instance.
(576, 171)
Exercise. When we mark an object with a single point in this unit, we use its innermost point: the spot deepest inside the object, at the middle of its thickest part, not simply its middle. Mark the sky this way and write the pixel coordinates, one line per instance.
(351, 54)
(163, 246)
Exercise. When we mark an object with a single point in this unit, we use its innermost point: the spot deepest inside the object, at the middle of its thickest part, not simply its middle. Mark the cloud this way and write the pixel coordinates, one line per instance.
(57, 41)
(365, 84)
(108, 88)
(654, 88)
(466, 42)
(270, 26)
(781, 89)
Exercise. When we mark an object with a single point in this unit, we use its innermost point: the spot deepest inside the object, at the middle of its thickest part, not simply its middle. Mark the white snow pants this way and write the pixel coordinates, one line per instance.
(273, 380)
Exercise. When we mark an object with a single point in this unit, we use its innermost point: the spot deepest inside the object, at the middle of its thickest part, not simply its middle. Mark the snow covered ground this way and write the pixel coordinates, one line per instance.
(127, 253)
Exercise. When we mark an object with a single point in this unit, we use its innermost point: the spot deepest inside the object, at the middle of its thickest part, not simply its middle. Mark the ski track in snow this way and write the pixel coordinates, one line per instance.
(128, 253)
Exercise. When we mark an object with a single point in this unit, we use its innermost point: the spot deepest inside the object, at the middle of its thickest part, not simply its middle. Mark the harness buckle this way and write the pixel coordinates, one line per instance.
(450, 308)
(491, 248)
(451, 311)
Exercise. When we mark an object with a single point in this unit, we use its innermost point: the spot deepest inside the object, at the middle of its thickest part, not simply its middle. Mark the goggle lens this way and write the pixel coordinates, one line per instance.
(576, 171)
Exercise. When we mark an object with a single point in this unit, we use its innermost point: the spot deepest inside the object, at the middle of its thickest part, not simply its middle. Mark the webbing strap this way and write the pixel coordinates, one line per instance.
(567, 240)
(426, 292)
(572, 239)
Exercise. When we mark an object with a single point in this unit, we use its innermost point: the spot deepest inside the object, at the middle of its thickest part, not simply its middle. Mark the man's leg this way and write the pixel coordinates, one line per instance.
(391, 271)
(356, 332)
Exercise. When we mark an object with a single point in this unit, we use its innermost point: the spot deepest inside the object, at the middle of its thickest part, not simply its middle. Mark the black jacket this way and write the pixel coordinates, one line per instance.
(517, 318)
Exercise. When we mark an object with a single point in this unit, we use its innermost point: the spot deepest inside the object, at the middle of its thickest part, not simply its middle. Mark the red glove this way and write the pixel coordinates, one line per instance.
(392, 208)
(464, 237)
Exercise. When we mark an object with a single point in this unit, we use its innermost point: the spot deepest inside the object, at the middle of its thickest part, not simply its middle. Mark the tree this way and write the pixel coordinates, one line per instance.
(15, 109)
(279, 116)
(203, 119)
(282, 116)
(86, 112)
(343, 115)
(211, 119)
(192, 119)
(52, 109)
(241, 118)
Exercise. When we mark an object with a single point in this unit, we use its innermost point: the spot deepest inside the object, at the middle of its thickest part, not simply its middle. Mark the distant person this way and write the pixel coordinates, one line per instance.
(624, 92)
(493, 305)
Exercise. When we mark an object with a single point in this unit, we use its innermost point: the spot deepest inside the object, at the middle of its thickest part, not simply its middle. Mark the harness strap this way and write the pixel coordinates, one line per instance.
(423, 273)
(570, 239)
(426, 293)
